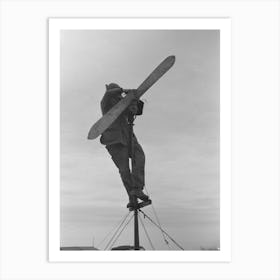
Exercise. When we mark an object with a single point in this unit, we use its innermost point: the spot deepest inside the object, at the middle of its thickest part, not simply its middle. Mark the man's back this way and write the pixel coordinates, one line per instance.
(118, 131)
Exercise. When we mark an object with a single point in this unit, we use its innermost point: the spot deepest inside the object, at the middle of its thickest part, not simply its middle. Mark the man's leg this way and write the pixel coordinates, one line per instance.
(138, 171)
(119, 154)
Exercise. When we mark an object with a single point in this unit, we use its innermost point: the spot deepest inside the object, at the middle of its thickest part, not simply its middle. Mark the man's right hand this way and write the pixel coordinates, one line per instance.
(131, 91)
(133, 108)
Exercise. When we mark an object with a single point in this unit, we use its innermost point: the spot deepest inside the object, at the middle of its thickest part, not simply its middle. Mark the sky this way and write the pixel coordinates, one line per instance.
(179, 132)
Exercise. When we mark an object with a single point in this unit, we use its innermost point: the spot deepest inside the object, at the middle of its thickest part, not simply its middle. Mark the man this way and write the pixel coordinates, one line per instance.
(116, 139)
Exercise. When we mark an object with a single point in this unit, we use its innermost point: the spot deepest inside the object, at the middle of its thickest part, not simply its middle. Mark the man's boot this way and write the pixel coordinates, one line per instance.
(139, 194)
(130, 204)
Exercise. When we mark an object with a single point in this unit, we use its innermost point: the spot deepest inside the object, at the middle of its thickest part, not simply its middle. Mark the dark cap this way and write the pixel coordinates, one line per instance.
(112, 86)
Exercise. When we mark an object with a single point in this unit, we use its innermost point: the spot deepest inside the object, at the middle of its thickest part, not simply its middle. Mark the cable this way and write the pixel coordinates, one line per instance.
(145, 215)
(121, 231)
(99, 244)
(116, 231)
(154, 210)
(148, 237)
(119, 227)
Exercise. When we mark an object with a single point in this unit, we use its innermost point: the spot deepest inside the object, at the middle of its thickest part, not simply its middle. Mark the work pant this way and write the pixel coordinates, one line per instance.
(120, 155)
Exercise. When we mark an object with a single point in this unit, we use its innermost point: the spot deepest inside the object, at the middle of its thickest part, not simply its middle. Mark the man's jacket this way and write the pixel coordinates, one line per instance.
(118, 132)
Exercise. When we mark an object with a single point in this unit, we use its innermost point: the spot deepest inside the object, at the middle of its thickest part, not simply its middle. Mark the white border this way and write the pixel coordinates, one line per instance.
(55, 25)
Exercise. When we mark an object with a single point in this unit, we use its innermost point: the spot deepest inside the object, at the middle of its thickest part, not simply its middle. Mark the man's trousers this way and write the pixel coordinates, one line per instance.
(120, 155)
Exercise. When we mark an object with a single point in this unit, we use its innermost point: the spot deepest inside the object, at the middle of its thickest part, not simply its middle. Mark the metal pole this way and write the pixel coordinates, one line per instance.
(136, 231)
(135, 202)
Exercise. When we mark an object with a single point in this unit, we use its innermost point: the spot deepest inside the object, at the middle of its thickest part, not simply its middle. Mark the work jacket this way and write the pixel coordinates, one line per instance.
(118, 132)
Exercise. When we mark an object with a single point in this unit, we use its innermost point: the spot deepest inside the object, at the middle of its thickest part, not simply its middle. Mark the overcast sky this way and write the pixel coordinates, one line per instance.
(179, 133)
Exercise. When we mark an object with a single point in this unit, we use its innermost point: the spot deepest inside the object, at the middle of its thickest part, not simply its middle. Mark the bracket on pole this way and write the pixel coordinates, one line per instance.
(141, 205)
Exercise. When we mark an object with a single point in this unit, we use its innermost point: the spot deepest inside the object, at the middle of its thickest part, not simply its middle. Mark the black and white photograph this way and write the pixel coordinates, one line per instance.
(139, 140)
(139, 117)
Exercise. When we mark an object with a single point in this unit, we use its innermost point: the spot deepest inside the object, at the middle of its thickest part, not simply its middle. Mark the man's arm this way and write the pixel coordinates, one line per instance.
(136, 107)
(112, 97)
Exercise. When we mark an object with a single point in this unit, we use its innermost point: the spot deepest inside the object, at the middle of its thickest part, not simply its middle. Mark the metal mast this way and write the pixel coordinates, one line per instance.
(135, 200)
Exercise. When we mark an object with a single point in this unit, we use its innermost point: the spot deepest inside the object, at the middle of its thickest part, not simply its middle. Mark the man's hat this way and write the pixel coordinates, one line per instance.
(112, 86)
